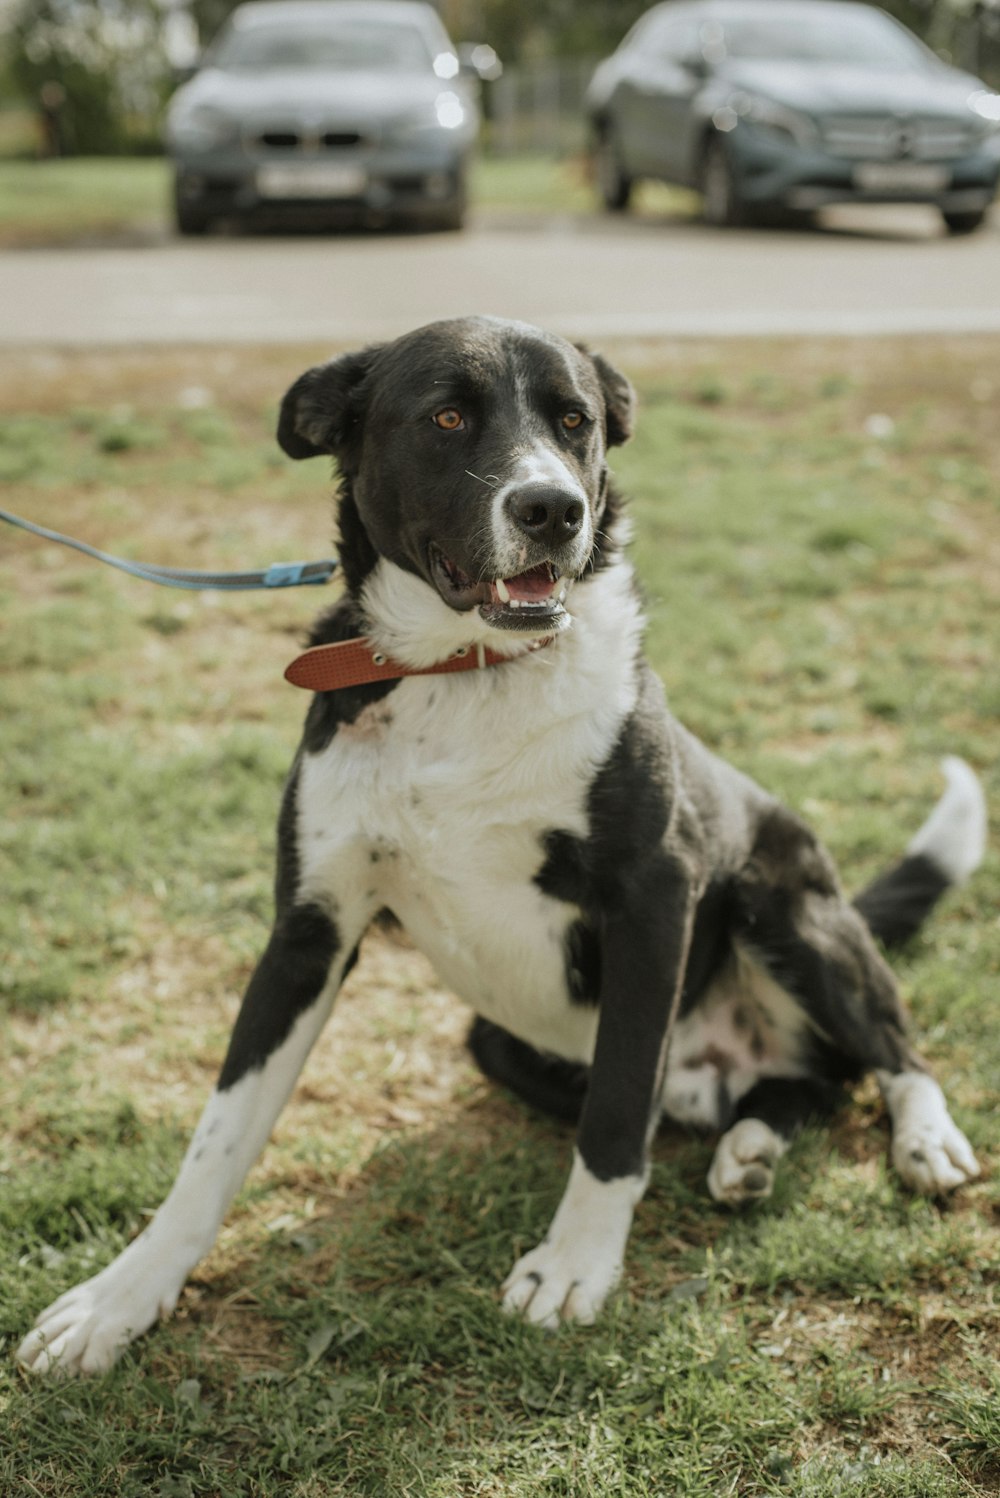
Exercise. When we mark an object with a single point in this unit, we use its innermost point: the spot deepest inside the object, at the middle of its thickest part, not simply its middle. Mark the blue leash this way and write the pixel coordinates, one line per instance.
(278, 575)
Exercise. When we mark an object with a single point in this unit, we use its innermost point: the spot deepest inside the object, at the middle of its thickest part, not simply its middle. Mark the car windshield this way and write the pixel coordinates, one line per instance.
(859, 39)
(354, 46)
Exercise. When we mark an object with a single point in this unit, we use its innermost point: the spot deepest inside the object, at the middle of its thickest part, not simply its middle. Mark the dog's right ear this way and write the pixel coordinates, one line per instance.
(322, 408)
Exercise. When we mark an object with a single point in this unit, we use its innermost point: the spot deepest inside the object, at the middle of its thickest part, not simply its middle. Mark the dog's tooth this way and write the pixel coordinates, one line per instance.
(503, 590)
(515, 603)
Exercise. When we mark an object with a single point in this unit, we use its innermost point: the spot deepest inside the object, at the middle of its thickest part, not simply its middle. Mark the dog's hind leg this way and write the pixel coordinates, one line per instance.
(289, 998)
(820, 950)
(548, 1083)
(768, 1118)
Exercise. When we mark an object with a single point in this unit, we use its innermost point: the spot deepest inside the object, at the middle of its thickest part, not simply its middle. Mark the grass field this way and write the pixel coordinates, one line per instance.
(58, 202)
(124, 198)
(819, 538)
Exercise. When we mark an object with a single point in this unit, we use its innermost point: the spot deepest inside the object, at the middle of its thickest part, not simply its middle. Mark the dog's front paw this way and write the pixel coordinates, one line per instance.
(555, 1283)
(570, 1275)
(742, 1169)
(934, 1157)
(87, 1329)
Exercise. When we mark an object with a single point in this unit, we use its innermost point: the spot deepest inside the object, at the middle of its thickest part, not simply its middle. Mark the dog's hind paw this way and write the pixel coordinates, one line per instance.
(929, 1150)
(934, 1160)
(742, 1169)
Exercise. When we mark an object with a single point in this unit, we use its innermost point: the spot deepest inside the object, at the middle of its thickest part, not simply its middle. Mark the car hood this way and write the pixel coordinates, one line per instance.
(818, 91)
(309, 96)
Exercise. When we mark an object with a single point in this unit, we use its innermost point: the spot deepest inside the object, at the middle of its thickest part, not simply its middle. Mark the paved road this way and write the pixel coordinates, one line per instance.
(877, 271)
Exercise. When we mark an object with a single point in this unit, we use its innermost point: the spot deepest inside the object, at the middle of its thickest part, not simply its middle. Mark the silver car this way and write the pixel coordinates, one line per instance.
(768, 105)
(357, 105)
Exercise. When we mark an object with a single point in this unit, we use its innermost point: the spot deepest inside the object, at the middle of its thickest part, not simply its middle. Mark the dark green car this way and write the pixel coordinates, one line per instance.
(788, 105)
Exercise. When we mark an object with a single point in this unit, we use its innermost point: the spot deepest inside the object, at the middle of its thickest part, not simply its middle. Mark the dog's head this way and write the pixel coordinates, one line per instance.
(473, 455)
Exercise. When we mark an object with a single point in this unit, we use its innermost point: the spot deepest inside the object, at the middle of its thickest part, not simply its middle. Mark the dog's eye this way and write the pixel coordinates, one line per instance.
(449, 420)
(572, 420)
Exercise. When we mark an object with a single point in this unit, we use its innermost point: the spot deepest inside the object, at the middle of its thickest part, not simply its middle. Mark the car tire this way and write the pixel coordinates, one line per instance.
(722, 205)
(452, 219)
(964, 223)
(614, 186)
(189, 217)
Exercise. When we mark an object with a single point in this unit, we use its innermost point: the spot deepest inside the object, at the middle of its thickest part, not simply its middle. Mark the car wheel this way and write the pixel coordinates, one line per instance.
(964, 223)
(446, 221)
(721, 203)
(450, 217)
(189, 215)
(613, 185)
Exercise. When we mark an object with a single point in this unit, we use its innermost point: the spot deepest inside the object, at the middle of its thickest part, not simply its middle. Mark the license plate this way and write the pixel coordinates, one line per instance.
(310, 180)
(900, 176)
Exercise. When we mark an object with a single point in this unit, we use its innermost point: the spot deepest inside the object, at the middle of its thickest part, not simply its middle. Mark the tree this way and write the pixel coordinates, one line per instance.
(94, 68)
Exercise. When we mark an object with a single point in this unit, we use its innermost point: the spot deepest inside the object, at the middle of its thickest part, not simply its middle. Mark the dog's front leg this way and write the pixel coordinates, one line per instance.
(644, 950)
(286, 1004)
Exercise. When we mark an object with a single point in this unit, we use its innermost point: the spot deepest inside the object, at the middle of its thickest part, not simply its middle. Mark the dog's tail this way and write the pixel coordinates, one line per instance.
(946, 850)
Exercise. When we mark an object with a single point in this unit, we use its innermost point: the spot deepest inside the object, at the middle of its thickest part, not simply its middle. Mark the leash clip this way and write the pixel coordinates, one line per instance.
(291, 574)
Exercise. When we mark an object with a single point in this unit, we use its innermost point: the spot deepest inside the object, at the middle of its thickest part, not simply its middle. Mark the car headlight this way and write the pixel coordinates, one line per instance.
(769, 116)
(447, 65)
(446, 113)
(450, 111)
(985, 106)
(199, 127)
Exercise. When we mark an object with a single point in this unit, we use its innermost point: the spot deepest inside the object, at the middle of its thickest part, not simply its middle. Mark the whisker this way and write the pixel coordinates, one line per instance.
(481, 547)
(490, 480)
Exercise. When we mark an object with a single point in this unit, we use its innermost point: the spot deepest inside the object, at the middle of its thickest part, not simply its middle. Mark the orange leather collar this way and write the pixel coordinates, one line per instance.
(353, 663)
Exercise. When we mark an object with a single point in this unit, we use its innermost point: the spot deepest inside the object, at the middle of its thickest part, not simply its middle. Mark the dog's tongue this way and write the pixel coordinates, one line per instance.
(531, 586)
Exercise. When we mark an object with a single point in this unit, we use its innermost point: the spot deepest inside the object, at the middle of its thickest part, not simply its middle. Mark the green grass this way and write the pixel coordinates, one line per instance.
(20, 134)
(823, 609)
(57, 202)
(101, 198)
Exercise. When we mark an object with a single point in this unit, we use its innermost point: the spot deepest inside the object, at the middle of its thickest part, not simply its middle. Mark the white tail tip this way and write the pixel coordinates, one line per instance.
(954, 835)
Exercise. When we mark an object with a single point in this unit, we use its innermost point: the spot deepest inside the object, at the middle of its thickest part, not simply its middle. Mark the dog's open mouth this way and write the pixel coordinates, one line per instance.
(530, 600)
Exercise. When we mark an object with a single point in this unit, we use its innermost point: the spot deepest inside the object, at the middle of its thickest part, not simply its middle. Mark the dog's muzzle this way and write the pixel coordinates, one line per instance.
(542, 545)
(531, 600)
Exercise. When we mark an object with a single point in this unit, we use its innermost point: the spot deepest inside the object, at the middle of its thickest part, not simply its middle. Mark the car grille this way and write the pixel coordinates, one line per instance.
(302, 140)
(883, 138)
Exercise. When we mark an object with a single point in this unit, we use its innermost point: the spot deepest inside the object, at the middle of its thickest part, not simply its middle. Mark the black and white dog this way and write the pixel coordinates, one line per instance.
(639, 928)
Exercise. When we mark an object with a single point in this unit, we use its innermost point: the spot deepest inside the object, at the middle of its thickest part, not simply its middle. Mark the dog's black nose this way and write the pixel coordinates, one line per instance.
(547, 513)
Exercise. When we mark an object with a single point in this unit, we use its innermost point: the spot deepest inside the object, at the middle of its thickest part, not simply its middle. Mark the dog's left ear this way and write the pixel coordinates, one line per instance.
(619, 398)
(321, 411)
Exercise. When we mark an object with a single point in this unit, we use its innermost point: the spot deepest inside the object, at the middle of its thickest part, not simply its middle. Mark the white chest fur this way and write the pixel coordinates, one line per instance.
(436, 800)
